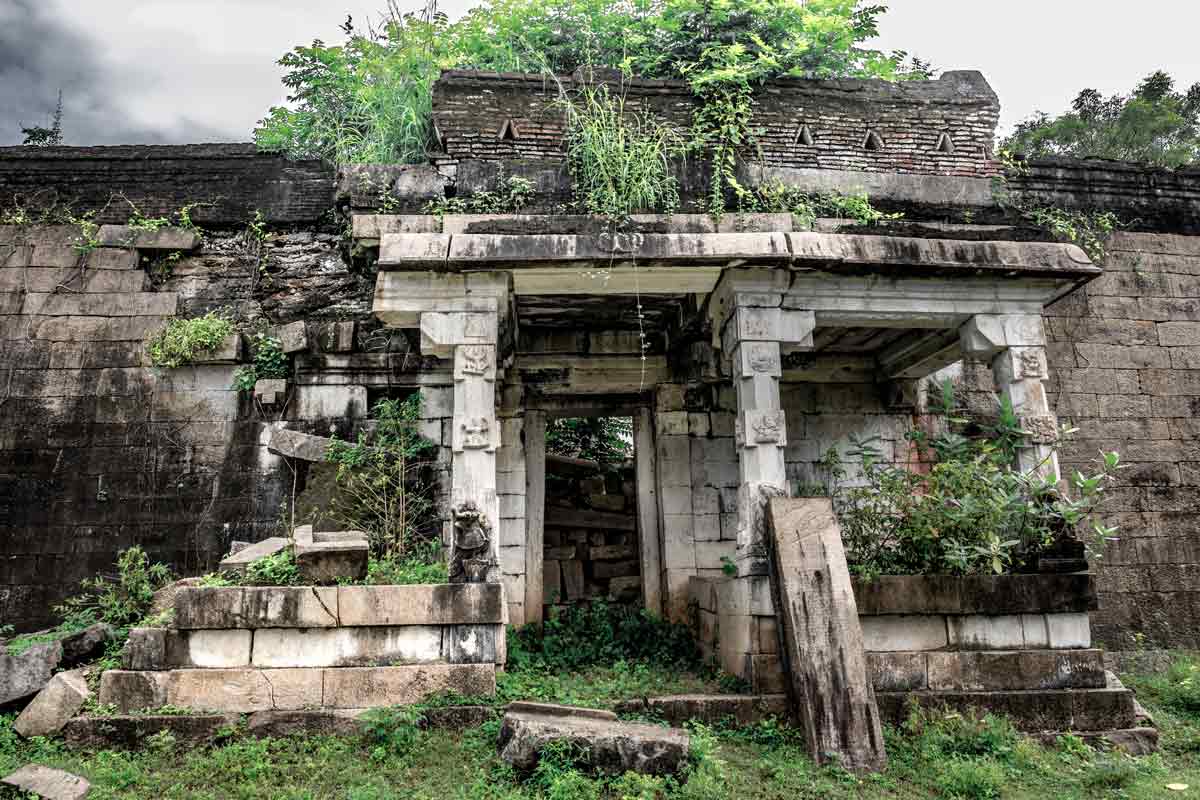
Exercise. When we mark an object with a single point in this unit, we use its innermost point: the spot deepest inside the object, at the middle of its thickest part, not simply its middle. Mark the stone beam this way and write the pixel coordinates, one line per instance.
(919, 355)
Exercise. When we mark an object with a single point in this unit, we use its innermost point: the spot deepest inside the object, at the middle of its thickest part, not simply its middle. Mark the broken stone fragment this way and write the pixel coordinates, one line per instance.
(295, 444)
(27, 674)
(270, 391)
(62, 698)
(604, 743)
(236, 563)
(82, 646)
(49, 783)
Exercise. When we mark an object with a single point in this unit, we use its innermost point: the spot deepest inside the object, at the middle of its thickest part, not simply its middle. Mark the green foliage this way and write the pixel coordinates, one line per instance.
(607, 440)
(773, 197)
(269, 362)
(122, 602)
(393, 732)
(620, 160)
(971, 512)
(424, 565)
(514, 194)
(277, 569)
(1177, 690)
(1090, 230)
(184, 340)
(1154, 124)
(46, 136)
(381, 489)
(600, 633)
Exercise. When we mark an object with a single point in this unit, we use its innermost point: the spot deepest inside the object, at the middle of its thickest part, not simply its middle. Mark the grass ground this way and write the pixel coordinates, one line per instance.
(947, 757)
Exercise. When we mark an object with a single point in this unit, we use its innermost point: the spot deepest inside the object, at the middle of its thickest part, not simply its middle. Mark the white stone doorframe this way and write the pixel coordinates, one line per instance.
(537, 416)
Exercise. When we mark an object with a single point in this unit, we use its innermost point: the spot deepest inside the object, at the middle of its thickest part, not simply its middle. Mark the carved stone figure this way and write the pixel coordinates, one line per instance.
(475, 433)
(1031, 364)
(471, 559)
(475, 360)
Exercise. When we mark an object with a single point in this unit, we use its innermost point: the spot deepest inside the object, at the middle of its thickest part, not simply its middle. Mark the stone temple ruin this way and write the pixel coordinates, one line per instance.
(741, 348)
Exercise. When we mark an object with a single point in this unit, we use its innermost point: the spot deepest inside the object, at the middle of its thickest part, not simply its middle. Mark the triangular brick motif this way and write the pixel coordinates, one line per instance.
(872, 142)
(508, 131)
(804, 136)
(945, 144)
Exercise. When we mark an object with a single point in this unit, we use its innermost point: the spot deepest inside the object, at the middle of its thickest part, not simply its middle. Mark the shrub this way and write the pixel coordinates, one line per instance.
(424, 565)
(269, 362)
(601, 633)
(514, 194)
(277, 569)
(381, 487)
(392, 732)
(1177, 689)
(182, 341)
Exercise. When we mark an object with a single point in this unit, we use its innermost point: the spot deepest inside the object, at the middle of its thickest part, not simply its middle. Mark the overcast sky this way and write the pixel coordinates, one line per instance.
(204, 70)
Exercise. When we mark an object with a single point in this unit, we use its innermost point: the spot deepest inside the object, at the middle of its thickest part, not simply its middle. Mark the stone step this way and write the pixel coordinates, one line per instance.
(971, 671)
(1032, 711)
(246, 690)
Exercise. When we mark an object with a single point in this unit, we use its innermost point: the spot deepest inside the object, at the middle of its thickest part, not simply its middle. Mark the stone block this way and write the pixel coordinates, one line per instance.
(342, 647)
(471, 644)
(292, 337)
(26, 674)
(131, 690)
(711, 709)
(62, 698)
(1014, 670)
(552, 591)
(48, 783)
(270, 391)
(899, 633)
(259, 607)
(898, 672)
(330, 402)
(336, 337)
(229, 351)
(244, 690)
(623, 589)
(208, 649)
(145, 649)
(979, 632)
(1066, 631)
(765, 674)
(440, 604)
(605, 744)
(165, 239)
(236, 563)
(325, 557)
(368, 687)
(572, 579)
(130, 732)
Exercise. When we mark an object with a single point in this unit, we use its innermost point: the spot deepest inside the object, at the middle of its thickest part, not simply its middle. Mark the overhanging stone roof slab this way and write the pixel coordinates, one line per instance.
(824, 251)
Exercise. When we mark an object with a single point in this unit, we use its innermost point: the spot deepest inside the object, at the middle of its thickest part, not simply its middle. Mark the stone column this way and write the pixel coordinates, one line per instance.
(1015, 346)
(756, 334)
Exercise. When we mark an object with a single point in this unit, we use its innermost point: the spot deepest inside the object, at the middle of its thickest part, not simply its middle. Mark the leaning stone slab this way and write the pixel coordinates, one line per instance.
(26, 674)
(236, 563)
(423, 604)
(62, 698)
(328, 557)
(48, 783)
(129, 732)
(295, 444)
(607, 745)
(823, 642)
(257, 607)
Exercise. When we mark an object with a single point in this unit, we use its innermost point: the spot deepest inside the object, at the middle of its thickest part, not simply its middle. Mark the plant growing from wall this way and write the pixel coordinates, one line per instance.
(182, 341)
(971, 512)
(514, 193)
(269, 362)
(620, 161)
(380, 481)
(773, 197)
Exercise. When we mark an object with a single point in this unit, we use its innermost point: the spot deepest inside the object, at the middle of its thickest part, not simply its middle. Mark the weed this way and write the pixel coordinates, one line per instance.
(182, 341)
(514, 194)
(970, 779)
(277, 569)
(269, 362)
(425, 565)
(392, 732)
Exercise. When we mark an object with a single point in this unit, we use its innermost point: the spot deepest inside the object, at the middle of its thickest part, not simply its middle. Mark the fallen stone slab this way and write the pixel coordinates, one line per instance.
(604, 743)
(328, 557)
(740, 709)
(236, 563)
(129, 732)
(27, 674)
(294, 444)
(48, 783)
(83, 646)
(62, 698)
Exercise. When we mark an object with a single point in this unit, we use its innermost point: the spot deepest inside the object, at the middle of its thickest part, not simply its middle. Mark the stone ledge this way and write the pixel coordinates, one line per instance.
(1031, 711)
(743, 709)
(245, 690)
(242, 607)
(131, 732)
(969, 671)
(976, 594)
(168, 238)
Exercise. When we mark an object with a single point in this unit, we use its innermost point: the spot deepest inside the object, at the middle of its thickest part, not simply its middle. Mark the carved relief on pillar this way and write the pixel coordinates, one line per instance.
(1042, 428)
(476, 361)
(475, 433)
(1031, 364)
(754, 428)
(759, 358)
(471, 558)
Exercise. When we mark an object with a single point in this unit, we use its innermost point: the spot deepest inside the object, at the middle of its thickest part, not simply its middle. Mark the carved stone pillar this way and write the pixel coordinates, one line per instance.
(756, 335)
(1015, 346)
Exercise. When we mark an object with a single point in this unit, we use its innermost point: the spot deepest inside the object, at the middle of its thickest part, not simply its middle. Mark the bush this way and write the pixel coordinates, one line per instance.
(182, 341)
(381, 486)
(425, 565)
(122, 602)
(277, 569)
(1177, 690)
(269, 362)
(601, 633)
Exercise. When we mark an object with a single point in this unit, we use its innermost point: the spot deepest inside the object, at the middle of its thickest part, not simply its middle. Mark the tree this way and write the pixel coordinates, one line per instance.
(1155, 124)
(37, 136)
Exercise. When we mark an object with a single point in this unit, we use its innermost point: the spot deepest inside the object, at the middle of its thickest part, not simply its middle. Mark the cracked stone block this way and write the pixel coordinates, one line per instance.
(62, 698)
(295, 444)
(369, 687)
(428, 604)
(48, 783)
(209, 607)
(292, 337)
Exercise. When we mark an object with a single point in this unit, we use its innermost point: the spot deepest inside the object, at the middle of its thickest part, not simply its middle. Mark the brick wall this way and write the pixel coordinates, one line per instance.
(512, 117)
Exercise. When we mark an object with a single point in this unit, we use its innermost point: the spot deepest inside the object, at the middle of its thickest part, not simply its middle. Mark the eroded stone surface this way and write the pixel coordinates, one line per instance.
(26, 674)
(607, 745)
(48, 783)
(257, 607)
(62, 698)
(131, 732)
